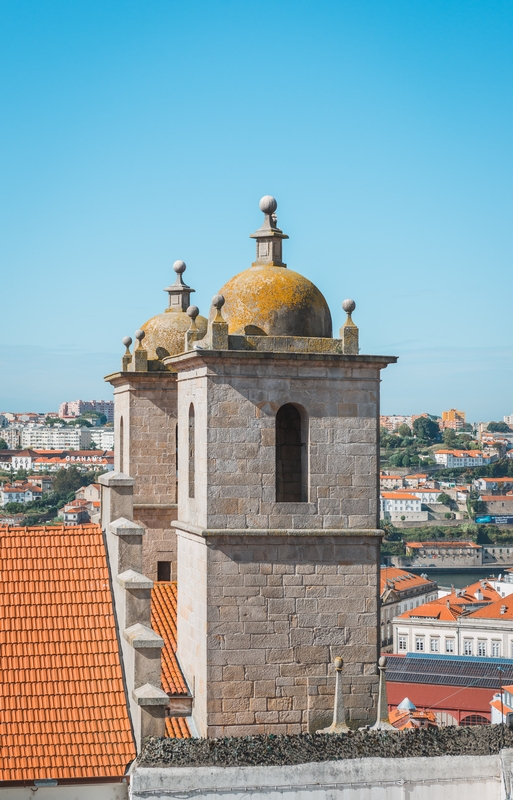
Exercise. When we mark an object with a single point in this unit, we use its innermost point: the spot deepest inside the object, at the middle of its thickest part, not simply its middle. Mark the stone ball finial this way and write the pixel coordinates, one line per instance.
(349, 306)
(139, 335)
(218, 301)
(193, 311)
(339, 662)
(179, 267)
(127, 341)
(382, 661)
(268, 204)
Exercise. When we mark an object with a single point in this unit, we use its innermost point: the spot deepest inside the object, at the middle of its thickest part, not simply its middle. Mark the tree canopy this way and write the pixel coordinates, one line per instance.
(498, 427)
(3, 445)
(426, 428)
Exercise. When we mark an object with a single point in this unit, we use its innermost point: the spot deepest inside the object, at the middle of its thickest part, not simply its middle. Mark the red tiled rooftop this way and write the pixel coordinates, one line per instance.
(177, 728)
(163, 621)
(401, 579)
(62, 703)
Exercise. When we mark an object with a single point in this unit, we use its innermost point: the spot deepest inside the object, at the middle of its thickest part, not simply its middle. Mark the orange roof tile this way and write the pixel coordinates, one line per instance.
(62, 703)
(163, 621)
(177, 728)
(398, 496)
(500, 609)
(435, 610)
(404, 579)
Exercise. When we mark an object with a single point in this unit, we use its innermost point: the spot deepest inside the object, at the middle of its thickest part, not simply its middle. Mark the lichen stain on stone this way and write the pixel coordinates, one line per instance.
(278, 301)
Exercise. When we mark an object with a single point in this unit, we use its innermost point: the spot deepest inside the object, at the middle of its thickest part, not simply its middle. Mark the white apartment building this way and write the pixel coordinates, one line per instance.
(12, 436)
(464, 458)
(427, 495)
(103, 438)
(47, 437)
(508, 419)
(445, 627)
(398, 505)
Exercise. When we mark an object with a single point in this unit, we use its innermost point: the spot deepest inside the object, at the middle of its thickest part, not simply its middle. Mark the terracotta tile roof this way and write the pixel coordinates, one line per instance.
(401, 579)
(398, 496)
(163, 621)
(501, 609)
(442, 609)
(177, 728)
(62, 704)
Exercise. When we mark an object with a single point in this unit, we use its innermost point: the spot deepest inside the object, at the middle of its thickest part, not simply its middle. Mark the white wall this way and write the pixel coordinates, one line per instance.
(98, 791)
(447, 777)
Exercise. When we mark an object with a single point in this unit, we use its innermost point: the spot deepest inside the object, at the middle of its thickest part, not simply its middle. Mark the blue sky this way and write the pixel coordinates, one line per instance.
(137, 133)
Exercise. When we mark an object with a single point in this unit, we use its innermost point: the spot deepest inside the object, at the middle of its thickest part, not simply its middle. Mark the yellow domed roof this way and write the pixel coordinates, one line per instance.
(165, 333)
(269, 299)
(275, 301)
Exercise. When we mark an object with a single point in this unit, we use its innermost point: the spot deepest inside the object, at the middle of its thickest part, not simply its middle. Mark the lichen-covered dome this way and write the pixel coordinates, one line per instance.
(165, 333)
(275, 301)
(269, 299)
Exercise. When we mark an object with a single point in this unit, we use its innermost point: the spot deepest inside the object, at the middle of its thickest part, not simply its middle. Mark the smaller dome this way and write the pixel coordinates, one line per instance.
(165, 333)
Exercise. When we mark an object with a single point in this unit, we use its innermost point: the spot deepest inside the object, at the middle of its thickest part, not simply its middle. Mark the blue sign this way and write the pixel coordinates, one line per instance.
(494, 520)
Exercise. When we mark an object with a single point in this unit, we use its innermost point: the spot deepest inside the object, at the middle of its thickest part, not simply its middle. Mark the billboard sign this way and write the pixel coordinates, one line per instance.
(494, 520)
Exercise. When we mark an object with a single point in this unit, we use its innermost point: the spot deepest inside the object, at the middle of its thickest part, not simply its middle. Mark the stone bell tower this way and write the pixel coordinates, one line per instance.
(278, 504)
(145, 422)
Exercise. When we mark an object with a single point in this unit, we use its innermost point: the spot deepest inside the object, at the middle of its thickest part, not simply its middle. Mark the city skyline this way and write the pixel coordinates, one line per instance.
(137, 138)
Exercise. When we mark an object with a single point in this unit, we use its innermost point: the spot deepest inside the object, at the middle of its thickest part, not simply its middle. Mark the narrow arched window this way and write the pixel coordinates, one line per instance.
(121, 444)
(291, 455)
(192, 451)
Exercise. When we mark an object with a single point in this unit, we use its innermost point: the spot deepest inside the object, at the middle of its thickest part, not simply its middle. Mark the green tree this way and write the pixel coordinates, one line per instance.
(3, 445)
(426, 428)
(404, 430)
(498, 427)
(449, 438)
(444, 498)
(67, 481)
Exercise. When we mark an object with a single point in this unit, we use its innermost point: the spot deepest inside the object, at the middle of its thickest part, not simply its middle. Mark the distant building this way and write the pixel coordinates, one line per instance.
(464, 458)
(12, 436)
(391, 481)
(47, 437)
(75, 408)
(407, 716)
(445, 554)
(488, 485)
(19, 492)
(16, 459)
(397, 506)
(508, 419)
(393, 421)
(500, 505)
(453, 419)
(457, 689)
(429, 496)
(475, 621)
(91, 493)
(400, 590)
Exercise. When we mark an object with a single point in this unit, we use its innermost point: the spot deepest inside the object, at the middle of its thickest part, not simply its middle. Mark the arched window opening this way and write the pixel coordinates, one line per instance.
(474, 719)
(121, 444)
(192, 452)
(291, 455)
